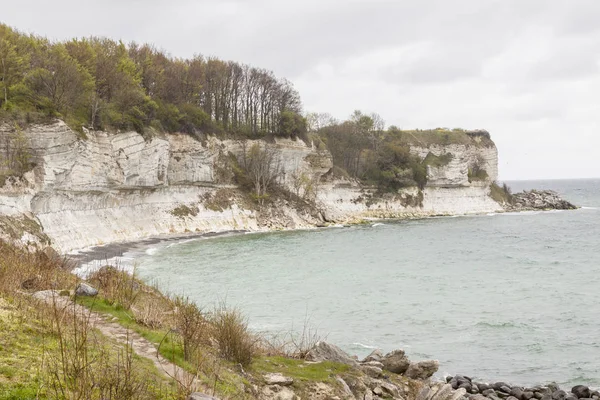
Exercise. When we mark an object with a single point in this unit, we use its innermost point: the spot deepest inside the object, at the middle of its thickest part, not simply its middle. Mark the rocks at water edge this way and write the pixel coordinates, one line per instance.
(422, 370)
(502, 390)
(539, 200)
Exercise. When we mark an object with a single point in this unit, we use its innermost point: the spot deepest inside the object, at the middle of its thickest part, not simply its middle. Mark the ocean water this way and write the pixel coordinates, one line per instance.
(512, 297)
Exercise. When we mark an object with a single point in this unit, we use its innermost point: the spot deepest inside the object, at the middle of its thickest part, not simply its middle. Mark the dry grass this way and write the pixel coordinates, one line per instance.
(234, 340)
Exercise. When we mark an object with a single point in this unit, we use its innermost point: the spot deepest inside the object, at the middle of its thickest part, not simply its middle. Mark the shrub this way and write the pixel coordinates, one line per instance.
(116, 286)
(191, 325)
(235, 342)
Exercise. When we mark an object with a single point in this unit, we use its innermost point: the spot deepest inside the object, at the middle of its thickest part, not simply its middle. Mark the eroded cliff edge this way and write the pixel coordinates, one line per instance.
(120, 187)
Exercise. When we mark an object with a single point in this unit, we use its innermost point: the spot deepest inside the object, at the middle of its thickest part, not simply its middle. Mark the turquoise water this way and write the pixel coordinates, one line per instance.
(510, 297)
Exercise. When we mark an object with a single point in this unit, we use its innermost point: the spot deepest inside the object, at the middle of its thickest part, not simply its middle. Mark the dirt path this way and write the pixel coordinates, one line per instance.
(114, 331)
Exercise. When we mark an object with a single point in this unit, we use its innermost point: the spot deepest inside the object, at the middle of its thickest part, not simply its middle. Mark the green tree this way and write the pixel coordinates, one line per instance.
(11, 68)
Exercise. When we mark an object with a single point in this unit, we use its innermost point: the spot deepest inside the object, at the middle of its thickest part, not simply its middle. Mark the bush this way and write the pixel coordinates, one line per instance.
(116, 286)
(235, 342)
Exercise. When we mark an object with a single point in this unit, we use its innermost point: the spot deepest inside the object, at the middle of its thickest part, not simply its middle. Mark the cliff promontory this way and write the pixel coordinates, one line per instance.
(109, 187)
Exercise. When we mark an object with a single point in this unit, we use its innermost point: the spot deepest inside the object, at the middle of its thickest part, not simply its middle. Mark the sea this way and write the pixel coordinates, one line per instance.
(512, 296)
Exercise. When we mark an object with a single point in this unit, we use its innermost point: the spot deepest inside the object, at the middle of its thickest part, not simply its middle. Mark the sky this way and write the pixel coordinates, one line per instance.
(528, 71)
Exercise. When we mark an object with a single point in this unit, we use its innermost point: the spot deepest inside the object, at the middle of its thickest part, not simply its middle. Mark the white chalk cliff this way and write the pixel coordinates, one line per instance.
(120, 187)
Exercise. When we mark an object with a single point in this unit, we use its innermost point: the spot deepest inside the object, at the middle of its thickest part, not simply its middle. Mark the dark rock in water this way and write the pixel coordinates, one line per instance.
(448, 379)
(83, 289)
(539, 200)
(396, 362)
(498, 385)
(581, 391)
(559, 395)
(482, 387)
(465, 385)
(595, 394)
(488, 392)
(323, 351)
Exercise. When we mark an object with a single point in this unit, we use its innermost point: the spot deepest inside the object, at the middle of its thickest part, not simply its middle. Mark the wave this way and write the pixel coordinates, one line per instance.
(364, 346)
(377, 224)
(151, 251)
(589, 208)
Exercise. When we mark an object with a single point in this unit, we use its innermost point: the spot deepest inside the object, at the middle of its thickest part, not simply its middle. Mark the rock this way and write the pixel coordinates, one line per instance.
(276, 392)
(496, 386)
(505, 389)
(378, 391)
(465, 385)
(201, 396)
(372, 364)
(595, 394)
(571, 396)
(323, 351)
(390, 389)
(474, 389)
(396, 362)
(559, 395)
(373, 372)
(278, 379)
(527, 395)
(581, 391)
(375, 355)
(553, 387)
(478, 397)
(502, 394)
(482, 387)
(488, 392)
(422, 370)
(538, 395)
(517, 392)
(344, 385)
(83, 289)
(540, 200)
(546, 397)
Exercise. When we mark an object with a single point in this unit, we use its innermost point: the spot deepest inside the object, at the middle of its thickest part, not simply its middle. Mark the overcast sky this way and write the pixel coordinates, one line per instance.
(528, 71)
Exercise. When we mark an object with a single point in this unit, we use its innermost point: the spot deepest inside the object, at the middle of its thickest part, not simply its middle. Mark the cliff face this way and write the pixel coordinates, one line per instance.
(116, 187)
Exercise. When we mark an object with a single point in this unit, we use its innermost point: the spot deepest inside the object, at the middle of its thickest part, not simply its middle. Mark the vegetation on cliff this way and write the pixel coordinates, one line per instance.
(100, 83)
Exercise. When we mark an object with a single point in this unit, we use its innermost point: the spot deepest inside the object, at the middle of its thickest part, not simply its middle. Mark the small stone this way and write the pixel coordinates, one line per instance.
(378, 391)
(201, 396)
(278, 379)
(581, 391)
(83, 289)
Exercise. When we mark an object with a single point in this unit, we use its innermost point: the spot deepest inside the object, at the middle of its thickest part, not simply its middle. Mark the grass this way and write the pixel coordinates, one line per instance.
(442, 136)
(438, 161)
(299, 370)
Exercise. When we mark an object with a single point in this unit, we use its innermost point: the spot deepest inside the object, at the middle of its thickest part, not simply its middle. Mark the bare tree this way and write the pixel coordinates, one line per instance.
(262, 167)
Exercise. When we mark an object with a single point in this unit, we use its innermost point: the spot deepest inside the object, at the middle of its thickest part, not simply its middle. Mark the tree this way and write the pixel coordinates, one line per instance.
(291, 125)
(60, 84)
(262, 166)
(11, 67)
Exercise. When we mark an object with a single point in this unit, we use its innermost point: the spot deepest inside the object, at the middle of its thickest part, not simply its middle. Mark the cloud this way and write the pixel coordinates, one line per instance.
(528, 71)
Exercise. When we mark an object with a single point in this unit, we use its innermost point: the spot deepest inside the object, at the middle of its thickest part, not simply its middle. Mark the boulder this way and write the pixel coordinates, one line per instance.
(396, 362)
(423, 370)
(83, 289)
(482, 387)
(323, 351)
(559, 395)
(488, 392)
(278, 379)
(581, 391)
(373, 372)
(375, 355)
(527, 395)
(498, 385)
(517, 392)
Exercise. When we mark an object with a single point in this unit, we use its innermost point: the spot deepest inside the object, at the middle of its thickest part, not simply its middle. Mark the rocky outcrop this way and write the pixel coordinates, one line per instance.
(122, 187)
(539, 200)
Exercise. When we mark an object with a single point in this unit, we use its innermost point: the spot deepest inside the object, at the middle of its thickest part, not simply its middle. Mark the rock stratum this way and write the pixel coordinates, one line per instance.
(109, 187)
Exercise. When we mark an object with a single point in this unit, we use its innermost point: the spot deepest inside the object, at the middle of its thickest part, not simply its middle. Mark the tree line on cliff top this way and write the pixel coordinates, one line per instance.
(99, 83)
